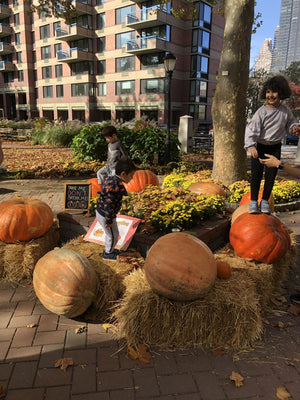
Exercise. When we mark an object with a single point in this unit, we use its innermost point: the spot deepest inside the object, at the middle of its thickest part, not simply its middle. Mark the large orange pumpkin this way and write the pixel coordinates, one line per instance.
(140, 180)
(65, 282)
(206, 188)
(95, 186)
(246, 199)
(180, 266)
(260, 237)
(239, 211)
(23, 219)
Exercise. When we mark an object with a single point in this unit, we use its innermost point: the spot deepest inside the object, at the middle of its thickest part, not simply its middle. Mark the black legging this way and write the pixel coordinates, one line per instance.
(257, 170)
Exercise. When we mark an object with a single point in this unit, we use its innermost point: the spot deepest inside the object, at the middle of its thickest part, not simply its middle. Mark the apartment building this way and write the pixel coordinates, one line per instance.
(108, 63)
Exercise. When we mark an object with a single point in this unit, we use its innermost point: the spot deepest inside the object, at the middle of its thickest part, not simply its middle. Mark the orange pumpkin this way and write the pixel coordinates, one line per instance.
(23, 219)
(239, 211)
(260, 237)
(180, 267)
(223, 269)
(64, 282)
(247, 198)
(206, 188)
(140, 180)
(95, 186)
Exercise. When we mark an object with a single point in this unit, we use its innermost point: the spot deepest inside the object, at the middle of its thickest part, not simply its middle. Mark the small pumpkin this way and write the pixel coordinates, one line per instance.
(209, 188)
(140, 180)
(223, 269)
(23, 219)
(239, 211)
(259, 237)
(65, 282)
(94, 186)
(180, 267)
(247, 198)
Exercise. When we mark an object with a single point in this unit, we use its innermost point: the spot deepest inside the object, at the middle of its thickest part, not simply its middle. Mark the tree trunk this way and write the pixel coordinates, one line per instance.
(229, 103)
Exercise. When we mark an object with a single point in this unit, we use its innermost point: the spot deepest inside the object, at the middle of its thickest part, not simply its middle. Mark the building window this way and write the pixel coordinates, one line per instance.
(58, 71)
(45, 52)
(20, 76)
(200, 41)
(56, 25)
(35, 75)
(102, 89)
(152, 85)
(59, 91)
(197, 111)
(44, 31)
(47, 91)
(34, 56)
(161, 31)
(123, 38)
(46, 72)
(16, 19)
(19, 57)
(99, 2)
(17, 38)
(121, 14)
(199, 67)
(85, 44)
(153, 60)
(57, 47)
(101, 44)
(33, 37)
(9, 76)
(125, 64)
(101, 67)
(100, 21)
(198, 91)
(125, 87)
(82, 89)
(85, 67)
(202, 15)
(15, 3)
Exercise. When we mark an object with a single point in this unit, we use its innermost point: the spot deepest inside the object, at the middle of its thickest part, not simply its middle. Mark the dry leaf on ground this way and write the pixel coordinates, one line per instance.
(293, 309)
(282, 394)
(63, 363)
(109, 327)
(141, 353)
(218, 351)
(290, 363)
(237, 378)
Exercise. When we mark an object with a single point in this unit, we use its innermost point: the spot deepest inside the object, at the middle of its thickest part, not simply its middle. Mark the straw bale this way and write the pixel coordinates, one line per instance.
(229, 316)
(17, 260)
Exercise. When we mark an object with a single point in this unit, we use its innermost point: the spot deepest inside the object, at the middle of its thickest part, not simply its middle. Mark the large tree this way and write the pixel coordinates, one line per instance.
(229, 103)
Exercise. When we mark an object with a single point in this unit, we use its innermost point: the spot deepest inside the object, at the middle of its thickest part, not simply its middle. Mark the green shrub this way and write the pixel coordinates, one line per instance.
(89, 144)
(55, 133)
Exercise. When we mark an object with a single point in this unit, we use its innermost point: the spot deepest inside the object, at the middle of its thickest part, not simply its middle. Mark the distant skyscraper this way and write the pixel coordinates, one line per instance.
(264, 58)
(287, 43)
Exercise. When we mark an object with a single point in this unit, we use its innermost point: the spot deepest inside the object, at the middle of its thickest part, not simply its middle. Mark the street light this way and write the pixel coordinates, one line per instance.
(169, 63)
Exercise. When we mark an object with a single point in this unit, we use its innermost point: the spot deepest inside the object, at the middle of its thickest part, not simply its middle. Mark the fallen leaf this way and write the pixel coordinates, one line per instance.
(81, 329)
(218, 351)
(31, 325)
(132, 353)
(290, 363)
(282, 394)
(293, 309)
(140, 353)
(2, 392)
(109, 327)
(237, 378)
(63, 363)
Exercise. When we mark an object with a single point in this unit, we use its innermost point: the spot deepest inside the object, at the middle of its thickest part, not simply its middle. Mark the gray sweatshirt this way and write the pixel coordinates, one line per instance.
(115, 152)
(269, 126)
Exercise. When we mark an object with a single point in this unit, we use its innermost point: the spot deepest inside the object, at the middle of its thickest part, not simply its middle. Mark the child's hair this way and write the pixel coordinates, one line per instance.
(108, 131)
(125, 165)
(277, 83)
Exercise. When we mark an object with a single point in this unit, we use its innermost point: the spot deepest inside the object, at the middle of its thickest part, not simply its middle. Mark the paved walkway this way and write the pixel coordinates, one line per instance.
(32, 339)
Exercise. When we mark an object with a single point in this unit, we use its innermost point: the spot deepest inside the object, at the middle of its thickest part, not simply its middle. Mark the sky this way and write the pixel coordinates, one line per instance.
(270, 10)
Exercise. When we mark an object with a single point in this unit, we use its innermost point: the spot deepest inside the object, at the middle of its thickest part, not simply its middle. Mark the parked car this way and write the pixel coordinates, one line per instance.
(292, 139)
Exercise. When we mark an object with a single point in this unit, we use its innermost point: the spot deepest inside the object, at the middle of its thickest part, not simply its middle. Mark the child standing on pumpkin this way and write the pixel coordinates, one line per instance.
(264, 134)
(109, 204)
(115, 152)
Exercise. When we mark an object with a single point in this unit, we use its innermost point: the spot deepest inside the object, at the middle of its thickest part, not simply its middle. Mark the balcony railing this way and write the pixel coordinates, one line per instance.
(146, 44)
(5, 11)
(6, 48)
(5, 29)
(6, 66)
(151, 16)
(73, 32)
(73, 54)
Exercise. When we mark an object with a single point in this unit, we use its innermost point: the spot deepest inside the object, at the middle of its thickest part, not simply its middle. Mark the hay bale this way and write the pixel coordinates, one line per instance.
(17, 260)
(229, 316)
(268, 278)
(110, 276)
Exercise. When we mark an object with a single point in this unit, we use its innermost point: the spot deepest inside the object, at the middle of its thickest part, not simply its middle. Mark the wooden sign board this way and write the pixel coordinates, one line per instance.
(77, 196)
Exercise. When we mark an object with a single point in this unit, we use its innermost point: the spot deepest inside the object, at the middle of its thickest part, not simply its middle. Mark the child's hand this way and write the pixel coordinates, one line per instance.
(108, 225)
(296, 130)
(253, 152)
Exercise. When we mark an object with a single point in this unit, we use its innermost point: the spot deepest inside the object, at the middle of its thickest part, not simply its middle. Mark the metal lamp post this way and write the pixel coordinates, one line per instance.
(169, 63)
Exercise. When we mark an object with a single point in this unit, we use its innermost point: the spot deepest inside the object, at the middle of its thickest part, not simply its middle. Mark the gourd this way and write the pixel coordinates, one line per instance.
(65, 282)
(259, 237)
(180, 267)
(94, 186)
(23, 219)
(247, 198)
(223, 269)
(206, 188)
(140, 180)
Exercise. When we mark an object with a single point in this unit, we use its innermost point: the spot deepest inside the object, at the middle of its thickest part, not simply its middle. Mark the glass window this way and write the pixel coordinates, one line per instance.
(125, 87)
(102, 89)
(85, 67)
(57, 47)
(20, 76)
(82, 89)
(85, 44)
(100, 21)
(121, 14)
(152, 85)
(17, 19)
(153, 60)
(101, 67)
(9, 76)
(162, 31)
(34, 56)
(123, 38)
(45, 52)
(44, 31)
(18, 38)
(125, 64)
(19, 57)
(47, 91)
(59, 91)
(200, 41)
(198, 91)
(46, 72)
(35, 74)
(101, 44)
(99, 2)
(58, 70)
(199, 67)
(33, 37)
(202, 15)
(56, 25)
